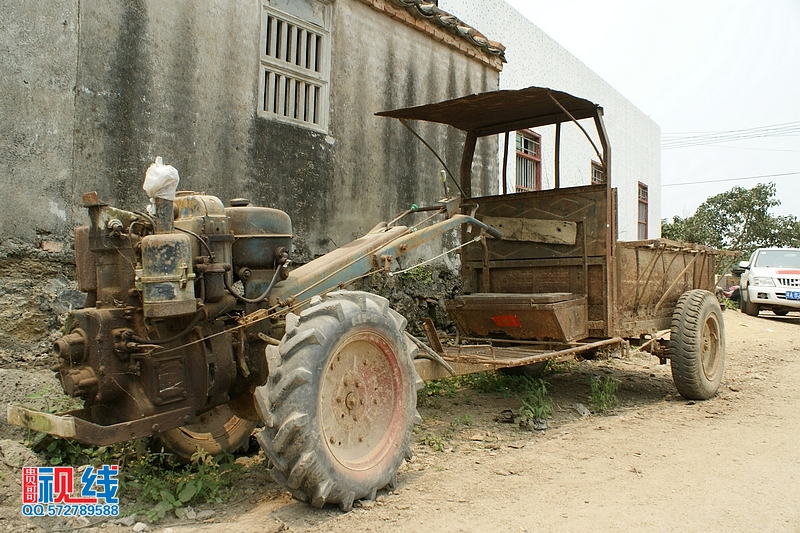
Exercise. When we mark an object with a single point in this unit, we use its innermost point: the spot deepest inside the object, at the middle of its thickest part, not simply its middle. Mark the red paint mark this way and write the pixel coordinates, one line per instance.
(788, 271)
(507, 321)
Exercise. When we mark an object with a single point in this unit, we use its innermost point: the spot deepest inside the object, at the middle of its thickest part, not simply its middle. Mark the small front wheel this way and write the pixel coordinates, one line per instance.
(697, 345)
(216, 432)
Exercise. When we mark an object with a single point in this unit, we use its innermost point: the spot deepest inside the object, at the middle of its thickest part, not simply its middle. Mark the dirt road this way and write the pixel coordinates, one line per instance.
(657, 463)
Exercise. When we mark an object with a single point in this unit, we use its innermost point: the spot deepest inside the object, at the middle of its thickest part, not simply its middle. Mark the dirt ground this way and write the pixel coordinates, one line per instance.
(656, 463)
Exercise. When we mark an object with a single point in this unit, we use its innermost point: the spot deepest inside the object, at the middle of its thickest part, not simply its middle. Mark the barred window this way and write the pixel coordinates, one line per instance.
(642, 218)
(598, 176)
(295, 63)
(529, 161)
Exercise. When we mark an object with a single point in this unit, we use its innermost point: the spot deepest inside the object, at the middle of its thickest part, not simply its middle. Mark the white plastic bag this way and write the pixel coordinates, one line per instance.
(161, 181)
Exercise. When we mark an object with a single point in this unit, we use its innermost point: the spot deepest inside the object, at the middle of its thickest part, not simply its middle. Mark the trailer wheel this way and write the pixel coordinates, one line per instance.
(340, 400)
(697, 345)
(217, 431)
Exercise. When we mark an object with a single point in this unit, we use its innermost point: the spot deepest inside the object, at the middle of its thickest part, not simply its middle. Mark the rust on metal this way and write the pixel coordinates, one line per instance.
(500, 111)
(472, 358)
(75, 425)
(429, 329)
(542, 316)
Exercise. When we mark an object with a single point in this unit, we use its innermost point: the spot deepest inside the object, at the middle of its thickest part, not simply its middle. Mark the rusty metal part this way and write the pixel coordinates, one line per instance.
(80, 382)
(77, 425)
(73, 347)
(500, 111)
(531, 266)
(543, 316)
(166, 278)
(652, 275)
(164, 216)
(508, 357)
(344, 264)
(430, 354)
(429, 329)
(85, 264)
(471, 359)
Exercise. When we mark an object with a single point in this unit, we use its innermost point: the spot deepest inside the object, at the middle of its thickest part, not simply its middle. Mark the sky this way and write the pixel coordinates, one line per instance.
(698, 67)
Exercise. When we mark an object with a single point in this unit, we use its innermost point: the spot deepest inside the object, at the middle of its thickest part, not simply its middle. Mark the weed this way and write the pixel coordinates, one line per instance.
(434, 390)
(466, 420)
(603, 393)
(433, 440)
(419, 274)
(508, 385)
(730, 304)
(537, 406)
(561, 367)
(169, 489)
(154, 480)
(55, 401)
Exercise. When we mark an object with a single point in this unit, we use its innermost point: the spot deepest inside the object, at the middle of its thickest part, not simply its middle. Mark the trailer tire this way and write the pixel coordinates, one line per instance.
(697, 345)
(340, 400)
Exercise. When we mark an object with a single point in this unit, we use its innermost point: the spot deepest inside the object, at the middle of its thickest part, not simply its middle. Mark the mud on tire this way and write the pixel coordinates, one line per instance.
(340, 401)
(697, 345)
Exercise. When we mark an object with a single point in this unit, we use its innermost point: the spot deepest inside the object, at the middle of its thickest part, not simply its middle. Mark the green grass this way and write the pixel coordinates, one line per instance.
(603, 393)
(154, 481)
(536, 405)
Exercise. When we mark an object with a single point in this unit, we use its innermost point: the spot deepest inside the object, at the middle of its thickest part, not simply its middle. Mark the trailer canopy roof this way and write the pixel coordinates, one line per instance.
(500, 111)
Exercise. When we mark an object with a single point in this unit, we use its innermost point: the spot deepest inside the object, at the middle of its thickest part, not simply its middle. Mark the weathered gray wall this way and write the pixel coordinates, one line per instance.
(38, 47)
(94, 90)
(179, 79)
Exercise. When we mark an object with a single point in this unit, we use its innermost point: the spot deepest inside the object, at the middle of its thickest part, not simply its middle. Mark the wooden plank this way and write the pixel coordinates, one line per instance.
(534, 230)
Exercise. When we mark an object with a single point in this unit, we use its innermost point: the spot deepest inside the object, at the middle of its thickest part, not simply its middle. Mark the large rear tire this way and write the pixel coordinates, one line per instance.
(697, 345)
(340, 400)
(217, 431)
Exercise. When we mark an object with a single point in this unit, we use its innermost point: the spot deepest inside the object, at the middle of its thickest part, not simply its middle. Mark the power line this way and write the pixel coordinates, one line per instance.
(730, 179)
(754, 148)
(674, 141)
(717, 132)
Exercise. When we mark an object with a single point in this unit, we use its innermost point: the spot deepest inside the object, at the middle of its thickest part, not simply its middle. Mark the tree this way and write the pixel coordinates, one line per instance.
(736, 220)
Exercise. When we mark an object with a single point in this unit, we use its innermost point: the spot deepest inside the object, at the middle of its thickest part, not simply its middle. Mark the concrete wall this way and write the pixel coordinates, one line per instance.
(38, 48)
(113, 84)
(536, 59)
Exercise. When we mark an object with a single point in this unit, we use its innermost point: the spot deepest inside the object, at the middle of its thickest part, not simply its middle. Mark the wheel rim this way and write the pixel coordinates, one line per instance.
(710, 354)
(360, 401)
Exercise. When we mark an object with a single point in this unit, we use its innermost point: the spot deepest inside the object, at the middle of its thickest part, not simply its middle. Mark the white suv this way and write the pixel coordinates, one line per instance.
(771, 280)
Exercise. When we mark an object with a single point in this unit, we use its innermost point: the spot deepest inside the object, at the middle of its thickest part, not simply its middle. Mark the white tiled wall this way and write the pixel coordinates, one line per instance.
(536, 59)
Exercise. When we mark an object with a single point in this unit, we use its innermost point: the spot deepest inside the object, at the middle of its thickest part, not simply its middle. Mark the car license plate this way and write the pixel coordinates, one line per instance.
(793, 295)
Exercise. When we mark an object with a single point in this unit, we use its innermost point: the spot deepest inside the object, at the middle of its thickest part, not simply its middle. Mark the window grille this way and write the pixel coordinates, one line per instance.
(295, 57)
(529, 161)
(642, 218)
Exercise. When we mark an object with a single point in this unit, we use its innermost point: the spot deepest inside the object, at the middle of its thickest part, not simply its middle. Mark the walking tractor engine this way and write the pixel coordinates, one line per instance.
(179, 339)
(156, 350)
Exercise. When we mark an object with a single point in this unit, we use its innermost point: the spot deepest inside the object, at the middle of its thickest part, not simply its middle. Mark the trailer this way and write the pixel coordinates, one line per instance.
(559, 283)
